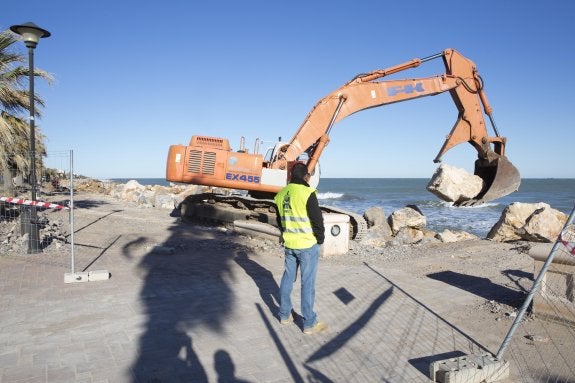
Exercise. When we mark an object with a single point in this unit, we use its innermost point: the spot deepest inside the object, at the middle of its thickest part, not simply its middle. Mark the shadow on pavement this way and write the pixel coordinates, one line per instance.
(522, 279)
(83, 203)
(225, 368)
(482, 287)
(183, 292)
(296, 377)
(76, 230)
(264, 280)
(340, 340)
(421, 304)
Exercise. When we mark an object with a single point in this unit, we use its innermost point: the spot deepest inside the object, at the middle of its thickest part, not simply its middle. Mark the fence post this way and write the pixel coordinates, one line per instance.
(72, 209)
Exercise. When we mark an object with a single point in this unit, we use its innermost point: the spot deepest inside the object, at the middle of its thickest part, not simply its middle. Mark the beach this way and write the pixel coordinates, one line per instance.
(195, 303)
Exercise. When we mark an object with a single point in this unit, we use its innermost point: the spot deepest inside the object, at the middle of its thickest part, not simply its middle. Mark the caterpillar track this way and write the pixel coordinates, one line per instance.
(218, 209)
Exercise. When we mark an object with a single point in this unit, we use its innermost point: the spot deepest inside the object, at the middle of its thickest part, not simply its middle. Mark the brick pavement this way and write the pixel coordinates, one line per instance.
(207, 313)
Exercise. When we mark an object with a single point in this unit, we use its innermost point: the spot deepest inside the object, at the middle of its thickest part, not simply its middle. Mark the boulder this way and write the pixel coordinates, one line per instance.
(409, 216)
(448, 236)
(453, 184)
(377, 236)
(379, 232)
(408, 236)
(534, 222)
(164, 201)
(375, 216)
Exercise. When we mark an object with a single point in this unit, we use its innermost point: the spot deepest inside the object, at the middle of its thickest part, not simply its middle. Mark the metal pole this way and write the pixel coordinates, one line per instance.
(32, 125)
(534, 289)
(33, 230)
(72, 207)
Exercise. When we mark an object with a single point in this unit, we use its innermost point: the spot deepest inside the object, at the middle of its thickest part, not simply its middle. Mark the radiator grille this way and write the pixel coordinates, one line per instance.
(204, 165)
(209, 164)
(194, 161)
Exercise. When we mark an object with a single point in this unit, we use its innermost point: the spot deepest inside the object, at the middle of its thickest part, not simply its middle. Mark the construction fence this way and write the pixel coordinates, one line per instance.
(540, 344)
(42, 224)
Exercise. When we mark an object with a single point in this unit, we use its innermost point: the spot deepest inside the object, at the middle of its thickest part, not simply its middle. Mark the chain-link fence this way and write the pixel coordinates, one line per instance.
(541, 341)
(42, 224)
(540, 344)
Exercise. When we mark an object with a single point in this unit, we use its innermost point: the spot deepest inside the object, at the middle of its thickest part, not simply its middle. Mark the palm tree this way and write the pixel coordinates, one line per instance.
(14, 107)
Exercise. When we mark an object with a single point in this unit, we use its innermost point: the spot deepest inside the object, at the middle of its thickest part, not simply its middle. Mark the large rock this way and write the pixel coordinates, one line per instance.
(375, 216)
(448, 236)
(379, 232)
(377, 237)
(453, 184)
(409, 216)
(534, 222)
(408, 236)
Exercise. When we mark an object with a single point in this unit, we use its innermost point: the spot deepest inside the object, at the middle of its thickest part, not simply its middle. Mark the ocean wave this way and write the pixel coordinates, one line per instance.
(480, 206)
(329, 195)
(437, 203)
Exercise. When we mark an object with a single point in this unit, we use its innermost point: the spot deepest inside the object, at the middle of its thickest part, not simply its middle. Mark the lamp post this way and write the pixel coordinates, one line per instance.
(31, 33)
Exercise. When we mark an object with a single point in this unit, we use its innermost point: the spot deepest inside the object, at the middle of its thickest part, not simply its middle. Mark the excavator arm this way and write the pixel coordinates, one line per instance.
(465, 86)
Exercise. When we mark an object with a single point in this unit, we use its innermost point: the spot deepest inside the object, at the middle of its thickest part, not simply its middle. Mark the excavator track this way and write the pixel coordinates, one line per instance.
(219, 209)
(358, 225)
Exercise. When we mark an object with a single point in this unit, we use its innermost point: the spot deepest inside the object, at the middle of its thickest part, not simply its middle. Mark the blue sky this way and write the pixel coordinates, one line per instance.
(134, 77)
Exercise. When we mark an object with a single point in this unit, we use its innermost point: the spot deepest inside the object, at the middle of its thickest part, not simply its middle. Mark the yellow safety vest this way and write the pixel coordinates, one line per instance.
(291, 202)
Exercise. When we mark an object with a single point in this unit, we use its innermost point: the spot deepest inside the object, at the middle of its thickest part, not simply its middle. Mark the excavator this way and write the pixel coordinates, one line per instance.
(211, 162)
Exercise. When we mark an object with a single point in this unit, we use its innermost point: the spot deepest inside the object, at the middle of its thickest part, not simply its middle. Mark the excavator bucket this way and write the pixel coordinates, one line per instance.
(500, 178)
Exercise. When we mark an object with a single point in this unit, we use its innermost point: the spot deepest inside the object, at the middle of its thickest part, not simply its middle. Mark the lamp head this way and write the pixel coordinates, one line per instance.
(30, 32)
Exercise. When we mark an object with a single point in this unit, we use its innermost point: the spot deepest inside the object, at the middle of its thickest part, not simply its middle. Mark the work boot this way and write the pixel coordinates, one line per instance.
(287, 321)
(318, 328)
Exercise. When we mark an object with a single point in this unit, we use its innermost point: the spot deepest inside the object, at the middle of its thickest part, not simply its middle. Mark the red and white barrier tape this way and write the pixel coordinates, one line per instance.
(28, 202)
(570, 246)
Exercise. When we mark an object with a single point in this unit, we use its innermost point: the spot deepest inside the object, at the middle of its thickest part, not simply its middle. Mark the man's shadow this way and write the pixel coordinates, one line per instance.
(225, 368)
(264, 280)
(181, 292)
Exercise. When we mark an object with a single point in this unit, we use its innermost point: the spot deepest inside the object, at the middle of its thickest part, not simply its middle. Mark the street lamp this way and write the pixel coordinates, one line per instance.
(31, 33)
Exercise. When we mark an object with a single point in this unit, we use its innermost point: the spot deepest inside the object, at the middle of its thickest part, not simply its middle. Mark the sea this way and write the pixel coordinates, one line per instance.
(390, 194)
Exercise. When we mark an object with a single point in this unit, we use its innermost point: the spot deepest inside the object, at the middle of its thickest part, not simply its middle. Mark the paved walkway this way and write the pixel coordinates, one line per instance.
(207, 313)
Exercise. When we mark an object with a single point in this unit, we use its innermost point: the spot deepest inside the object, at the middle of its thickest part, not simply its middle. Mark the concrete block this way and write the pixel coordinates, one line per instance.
(555, 300)
(336, 234)
(474, 368)
(98, 275)
(75, 277)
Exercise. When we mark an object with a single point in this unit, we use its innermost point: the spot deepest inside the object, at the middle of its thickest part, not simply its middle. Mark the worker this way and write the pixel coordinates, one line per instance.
(302, 232)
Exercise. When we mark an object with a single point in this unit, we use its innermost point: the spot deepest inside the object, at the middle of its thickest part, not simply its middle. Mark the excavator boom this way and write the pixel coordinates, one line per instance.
(210, 161)
(465, 86)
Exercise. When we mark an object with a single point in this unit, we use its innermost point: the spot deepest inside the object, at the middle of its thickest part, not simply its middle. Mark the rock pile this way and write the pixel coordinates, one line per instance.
(405, 226)
(519, 222)
(163, 197)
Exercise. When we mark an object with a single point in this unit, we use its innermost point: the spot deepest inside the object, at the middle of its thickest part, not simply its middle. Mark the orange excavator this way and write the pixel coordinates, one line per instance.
(210, 161)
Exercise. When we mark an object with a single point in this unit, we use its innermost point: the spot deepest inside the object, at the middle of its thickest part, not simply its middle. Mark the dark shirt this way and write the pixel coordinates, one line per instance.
(313, 213)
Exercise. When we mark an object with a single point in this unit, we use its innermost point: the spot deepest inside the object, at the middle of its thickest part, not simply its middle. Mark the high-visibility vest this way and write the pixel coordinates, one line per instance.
(291, 202)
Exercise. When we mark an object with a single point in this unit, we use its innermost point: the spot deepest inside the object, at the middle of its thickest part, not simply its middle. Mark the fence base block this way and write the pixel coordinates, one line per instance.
(98, 275)
(474, 368)
(75, 277)
(87, 276)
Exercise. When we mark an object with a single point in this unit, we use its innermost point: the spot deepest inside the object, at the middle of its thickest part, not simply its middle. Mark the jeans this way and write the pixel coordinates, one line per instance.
(307, 259)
